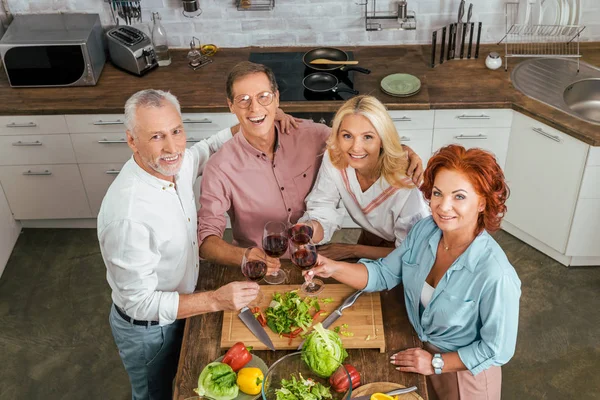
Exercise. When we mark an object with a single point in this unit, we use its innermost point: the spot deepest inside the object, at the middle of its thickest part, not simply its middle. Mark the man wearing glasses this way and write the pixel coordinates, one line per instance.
(260, 175)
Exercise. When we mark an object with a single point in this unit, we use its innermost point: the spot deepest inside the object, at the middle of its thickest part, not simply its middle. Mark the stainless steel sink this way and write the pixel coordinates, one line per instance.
(556, 82)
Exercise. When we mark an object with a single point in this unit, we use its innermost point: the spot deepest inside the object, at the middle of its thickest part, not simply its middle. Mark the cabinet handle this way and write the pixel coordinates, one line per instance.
(404, 139)
(113, 172)
(25, 125)
(106, 141)
(549, 136)
(461, 136)
(465, 116)
(402, 119)
(197, 121)
(100, 122)
(193, 140)
(19, 143)
(32, 173)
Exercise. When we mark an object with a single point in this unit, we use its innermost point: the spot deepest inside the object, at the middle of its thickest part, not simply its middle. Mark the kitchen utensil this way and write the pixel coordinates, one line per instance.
(251, 323)
(384, 387)
(131, 50)
(462, 40)
(320, 82)
(390, 393)
(293, 365)
(467, 32)
(332, 62)
(364, 319)
(451, 35)
(330, 53)
(400, 84)
(478, 38)
(349, 302)
(471, 29)
(442, 48)
(433, 44)
(458, 35)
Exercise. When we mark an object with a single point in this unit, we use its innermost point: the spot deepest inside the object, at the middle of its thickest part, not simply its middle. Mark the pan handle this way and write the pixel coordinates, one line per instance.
(357, 69)
(347, 90)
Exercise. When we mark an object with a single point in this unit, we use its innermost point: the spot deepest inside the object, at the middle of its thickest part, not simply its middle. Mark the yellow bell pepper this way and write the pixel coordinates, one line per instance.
(250, 380)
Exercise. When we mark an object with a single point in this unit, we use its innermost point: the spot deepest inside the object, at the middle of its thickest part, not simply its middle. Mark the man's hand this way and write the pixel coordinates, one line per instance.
(415, 167)
(337, 251)
(235, 295)
(287, 121)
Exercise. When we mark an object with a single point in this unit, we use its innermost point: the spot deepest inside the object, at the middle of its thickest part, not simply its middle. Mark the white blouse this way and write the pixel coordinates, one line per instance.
(383, 210)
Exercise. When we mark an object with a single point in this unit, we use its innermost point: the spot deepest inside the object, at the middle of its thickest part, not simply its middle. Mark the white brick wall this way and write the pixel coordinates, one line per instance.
(301, 22)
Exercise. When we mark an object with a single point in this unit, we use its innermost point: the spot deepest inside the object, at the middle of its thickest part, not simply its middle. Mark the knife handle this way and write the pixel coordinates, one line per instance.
(402, 391)
(350, 300)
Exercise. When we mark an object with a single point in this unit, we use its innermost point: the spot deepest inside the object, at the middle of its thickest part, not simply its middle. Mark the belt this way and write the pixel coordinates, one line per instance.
(134, 321)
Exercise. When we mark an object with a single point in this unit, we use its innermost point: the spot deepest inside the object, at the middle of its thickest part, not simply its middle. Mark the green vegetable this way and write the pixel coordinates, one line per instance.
(323, 351)
(337, 329)
(302, 389)
(217, 381)
(288, 310)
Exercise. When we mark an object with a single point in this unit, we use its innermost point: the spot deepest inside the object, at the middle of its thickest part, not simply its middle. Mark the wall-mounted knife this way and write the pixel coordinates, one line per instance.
(255, 327)
(338, 311)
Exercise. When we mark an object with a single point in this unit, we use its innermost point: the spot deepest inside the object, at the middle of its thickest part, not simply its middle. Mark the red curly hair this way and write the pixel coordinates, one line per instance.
(484, 173)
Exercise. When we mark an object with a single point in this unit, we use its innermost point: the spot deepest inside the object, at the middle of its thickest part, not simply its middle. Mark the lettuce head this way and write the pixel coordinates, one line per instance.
(217, 381)
(323, 351)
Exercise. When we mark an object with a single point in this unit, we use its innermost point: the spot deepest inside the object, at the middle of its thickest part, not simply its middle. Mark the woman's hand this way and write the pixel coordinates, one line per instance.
(413, 360)
(337, 251)
(324, 268)
(415, 167)
(287, 121)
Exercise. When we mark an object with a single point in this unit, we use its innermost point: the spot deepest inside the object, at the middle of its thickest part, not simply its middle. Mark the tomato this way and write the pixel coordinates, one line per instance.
(237, 356)
(339, 381)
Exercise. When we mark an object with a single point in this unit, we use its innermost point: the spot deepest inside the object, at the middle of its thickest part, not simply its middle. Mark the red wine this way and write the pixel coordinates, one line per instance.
(305, 259)
(275, 245)
(255, 270)
(301, 228)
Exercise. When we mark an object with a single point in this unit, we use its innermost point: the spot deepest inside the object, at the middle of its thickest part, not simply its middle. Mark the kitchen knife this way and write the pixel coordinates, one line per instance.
(392, 393)
(443, 49)
(450, 43)
(458, 33)
(255, 327)
(470, 32)
(462, 41)
(338, 311)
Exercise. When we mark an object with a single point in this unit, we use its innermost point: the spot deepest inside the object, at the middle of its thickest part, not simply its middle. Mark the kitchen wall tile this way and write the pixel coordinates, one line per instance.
(302, 22)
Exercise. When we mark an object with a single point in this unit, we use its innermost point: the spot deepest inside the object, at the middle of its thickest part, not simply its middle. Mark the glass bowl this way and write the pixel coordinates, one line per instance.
(292, 364)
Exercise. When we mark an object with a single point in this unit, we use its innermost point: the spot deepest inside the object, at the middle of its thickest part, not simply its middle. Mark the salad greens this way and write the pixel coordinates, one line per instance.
(323, 351)
(217, 381)
(302, 389)
(289, 310)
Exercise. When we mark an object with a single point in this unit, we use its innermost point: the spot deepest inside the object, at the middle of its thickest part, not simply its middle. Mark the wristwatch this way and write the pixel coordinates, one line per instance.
(438, 363)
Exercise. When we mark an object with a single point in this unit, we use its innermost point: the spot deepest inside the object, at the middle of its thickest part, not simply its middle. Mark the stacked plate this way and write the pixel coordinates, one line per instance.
(549, 12)
(401, 85)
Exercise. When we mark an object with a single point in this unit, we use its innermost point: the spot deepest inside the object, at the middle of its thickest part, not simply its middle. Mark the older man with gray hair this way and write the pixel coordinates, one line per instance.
(147, 232)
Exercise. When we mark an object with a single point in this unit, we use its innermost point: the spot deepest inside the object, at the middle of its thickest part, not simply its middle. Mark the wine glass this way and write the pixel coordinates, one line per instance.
(254, 268)
(275, 244)
(294, 226)
(303, 254)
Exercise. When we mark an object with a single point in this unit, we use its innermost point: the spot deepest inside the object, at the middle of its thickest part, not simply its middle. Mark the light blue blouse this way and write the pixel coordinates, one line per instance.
(475, 307)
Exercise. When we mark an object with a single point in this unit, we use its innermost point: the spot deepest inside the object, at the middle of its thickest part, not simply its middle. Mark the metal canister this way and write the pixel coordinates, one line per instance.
(402, 10)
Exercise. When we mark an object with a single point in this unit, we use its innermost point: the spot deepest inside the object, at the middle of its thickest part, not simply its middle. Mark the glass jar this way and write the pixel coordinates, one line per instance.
(160, 42)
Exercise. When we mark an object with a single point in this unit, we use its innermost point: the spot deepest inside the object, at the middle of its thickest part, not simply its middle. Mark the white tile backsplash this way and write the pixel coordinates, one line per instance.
(301, 22)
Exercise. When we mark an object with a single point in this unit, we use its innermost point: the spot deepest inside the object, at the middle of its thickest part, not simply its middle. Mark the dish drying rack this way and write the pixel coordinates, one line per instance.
(544, 41)
(382, 20)
(129, 11)
(255, 5)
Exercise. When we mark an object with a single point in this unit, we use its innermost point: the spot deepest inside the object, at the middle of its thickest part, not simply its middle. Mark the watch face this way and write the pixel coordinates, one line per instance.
(437, 362)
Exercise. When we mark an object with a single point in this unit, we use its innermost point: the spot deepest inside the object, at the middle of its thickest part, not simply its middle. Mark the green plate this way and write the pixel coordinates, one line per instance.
(400, 84)
(401, 95)
(256, 362)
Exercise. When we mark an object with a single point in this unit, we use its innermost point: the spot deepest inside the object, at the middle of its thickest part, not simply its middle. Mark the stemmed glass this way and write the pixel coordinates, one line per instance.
(303, 254)
(275, 244)
(255, 269)
(294, 226)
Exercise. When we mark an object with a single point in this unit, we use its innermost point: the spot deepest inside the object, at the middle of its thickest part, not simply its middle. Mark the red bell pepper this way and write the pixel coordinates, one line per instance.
(237, 356)
(339, 380)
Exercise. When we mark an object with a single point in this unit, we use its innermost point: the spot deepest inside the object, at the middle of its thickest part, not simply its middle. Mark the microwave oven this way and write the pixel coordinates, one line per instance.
(53, 50)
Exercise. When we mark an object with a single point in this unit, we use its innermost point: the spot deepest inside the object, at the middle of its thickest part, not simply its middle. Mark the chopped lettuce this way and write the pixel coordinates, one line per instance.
(218, 381)
(302, 389)
(288, 310)
(323, 351)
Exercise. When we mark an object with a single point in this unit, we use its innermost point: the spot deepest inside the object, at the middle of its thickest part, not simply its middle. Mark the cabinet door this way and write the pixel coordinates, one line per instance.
(33, 124)
(484, 118)
(36, 149)
(494, 140)
(45, 191)
(544, 168)
(97, 178)
(419, 141)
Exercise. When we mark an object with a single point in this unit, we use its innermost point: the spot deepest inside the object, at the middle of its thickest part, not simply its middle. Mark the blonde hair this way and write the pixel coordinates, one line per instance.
(393, 161)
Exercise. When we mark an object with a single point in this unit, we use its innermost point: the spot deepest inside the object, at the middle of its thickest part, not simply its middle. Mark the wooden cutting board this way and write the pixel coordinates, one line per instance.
(364, 319)
(384, 387)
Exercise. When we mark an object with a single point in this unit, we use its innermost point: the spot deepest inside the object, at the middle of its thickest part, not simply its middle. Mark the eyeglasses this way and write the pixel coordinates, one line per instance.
(244, 100)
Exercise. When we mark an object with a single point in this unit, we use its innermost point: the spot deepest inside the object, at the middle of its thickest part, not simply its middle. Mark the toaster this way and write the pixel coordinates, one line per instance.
(131, 50)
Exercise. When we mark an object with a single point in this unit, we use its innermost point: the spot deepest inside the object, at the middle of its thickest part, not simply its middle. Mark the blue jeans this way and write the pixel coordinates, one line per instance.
(149, 354)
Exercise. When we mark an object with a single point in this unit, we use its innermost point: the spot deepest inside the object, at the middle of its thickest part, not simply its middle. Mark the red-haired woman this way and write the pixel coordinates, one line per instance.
(461, 292)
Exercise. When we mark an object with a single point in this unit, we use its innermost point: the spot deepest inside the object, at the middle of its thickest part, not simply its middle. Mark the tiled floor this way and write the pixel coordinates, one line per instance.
(55, 342)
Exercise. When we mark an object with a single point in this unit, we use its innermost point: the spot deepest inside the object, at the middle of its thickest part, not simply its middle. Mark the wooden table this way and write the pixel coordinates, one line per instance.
(202, 335)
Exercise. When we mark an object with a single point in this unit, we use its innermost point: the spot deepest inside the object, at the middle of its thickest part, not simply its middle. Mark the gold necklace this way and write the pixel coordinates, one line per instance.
(446, 248)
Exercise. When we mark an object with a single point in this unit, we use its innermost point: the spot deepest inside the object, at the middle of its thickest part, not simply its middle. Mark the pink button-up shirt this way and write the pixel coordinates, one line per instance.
(253, 189)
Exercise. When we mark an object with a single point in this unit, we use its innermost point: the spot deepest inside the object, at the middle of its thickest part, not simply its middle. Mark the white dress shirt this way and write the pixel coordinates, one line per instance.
(383, 210)
(147, 229)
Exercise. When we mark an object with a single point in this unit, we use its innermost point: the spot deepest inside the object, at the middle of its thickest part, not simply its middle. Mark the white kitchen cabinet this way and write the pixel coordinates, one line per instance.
(96, 123)
(45, 191)
(9, 231)
(416, 131)
(484, 118)
(97, 178)
(544, 168)
(101, 147)
(494, 140)
(33, 124)
(36, 149)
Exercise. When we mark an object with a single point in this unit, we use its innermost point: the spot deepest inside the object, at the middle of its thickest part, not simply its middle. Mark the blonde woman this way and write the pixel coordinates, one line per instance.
(364, 168)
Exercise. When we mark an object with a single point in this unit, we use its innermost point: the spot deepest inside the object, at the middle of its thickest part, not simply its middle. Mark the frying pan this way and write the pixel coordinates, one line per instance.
(320, 82)
(330, 53)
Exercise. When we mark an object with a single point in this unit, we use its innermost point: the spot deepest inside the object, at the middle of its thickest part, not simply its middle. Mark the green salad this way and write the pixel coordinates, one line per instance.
(302, 389)
(288, 310)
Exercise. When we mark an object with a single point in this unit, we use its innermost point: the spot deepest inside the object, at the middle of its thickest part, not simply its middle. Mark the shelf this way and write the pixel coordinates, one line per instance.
(255, 5)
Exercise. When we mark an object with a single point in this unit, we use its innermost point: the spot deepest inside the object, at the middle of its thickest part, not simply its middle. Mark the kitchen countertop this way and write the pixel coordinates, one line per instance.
(452, 85)
(201, 345)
